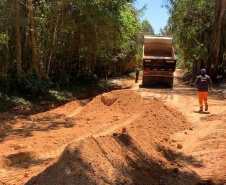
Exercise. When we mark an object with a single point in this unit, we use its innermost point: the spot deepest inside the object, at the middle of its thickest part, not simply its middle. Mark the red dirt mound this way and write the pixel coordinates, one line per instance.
(134, 149)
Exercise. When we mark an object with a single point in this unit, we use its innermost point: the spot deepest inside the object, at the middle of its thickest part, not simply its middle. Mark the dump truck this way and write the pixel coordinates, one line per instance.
(159, 61)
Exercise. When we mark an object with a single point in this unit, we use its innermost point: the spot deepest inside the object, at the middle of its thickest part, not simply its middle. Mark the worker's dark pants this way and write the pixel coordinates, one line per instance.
(137, 75)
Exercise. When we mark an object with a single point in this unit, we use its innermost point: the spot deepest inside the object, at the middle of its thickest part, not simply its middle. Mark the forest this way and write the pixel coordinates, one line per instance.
(62, 42)
(199, 31)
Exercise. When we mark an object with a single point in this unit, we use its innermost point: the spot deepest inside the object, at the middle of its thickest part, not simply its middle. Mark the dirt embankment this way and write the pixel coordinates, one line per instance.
(135, 149)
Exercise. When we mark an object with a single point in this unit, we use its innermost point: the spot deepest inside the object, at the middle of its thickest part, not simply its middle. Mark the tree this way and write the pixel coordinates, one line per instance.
(35, 66)
(68, 40)
(167, 30)
(147, 28)
(220, 6)
(191, 24)
(18, 38)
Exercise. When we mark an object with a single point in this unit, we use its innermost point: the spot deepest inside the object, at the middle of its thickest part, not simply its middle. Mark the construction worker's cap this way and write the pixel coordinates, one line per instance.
(203, 71)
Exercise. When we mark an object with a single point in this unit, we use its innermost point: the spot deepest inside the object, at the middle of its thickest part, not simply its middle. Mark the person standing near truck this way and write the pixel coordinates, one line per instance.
(203, 83)
(137, 70)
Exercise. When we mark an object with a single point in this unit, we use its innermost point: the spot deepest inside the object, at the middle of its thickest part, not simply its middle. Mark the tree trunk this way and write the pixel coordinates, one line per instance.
(7, 55)
(208, 62)
(35, 62)
(5, 66)
(18, 38)
(7, 45)
(105, 72)
(94, 59)
(53, 46)
(194, 70)
(215, 47)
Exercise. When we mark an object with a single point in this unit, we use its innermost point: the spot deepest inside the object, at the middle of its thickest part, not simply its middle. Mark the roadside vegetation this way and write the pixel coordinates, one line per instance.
(87, 89)
(66, 44)
(199, 31)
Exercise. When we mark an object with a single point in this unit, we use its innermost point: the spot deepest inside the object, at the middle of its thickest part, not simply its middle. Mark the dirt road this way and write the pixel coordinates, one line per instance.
(146, 136)
(206, 138)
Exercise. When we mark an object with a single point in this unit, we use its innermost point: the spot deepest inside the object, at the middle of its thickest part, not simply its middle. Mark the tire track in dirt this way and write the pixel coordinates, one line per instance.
(74, 113)
(101, 130)
(113, 128)
(105, 129)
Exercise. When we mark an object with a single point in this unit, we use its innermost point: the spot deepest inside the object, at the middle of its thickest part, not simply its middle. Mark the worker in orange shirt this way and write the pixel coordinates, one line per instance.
(204, 83)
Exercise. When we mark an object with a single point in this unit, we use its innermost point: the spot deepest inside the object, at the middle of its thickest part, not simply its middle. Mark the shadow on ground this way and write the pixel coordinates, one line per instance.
(23, 160)
(174, 156)
(45, 123)
(201, 112)
(116, 160)
(49, 122)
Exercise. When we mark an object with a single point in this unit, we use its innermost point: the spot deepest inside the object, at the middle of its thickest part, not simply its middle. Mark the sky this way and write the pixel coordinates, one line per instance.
(155, 14)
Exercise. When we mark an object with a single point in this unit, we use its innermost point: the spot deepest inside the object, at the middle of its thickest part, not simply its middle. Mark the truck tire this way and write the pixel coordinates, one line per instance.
(171, 83)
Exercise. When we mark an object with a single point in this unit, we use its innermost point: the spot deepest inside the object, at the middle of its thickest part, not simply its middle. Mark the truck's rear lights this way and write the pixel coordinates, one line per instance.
(146, 73)
(169, 61)
(170, 73)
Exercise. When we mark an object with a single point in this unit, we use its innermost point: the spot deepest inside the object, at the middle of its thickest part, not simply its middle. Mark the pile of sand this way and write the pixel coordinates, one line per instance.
(133, 153)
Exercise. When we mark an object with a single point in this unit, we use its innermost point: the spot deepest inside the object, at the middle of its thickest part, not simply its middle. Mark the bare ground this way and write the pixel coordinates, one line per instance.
(137, 136)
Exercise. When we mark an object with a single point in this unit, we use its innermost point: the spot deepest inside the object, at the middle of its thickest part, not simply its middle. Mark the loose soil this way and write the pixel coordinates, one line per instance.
(131, 136)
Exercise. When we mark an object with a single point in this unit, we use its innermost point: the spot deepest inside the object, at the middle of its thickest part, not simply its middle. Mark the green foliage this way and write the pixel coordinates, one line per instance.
(147, 28)
(76, 41)
(27, 84)
(192, 19)
(191, 25)
(8, 102)
(3, 38)
(167, 30)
